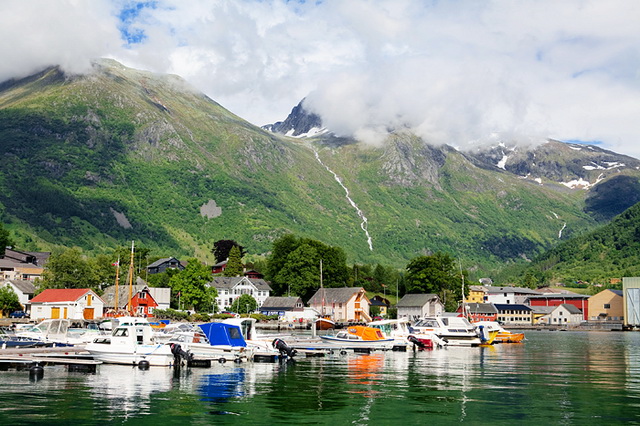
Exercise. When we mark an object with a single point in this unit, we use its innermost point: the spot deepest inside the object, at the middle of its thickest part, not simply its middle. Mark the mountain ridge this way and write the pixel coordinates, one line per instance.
(122, 154)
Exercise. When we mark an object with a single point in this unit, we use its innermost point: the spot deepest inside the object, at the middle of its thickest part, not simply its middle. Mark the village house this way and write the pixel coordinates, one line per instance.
(607, 305)
(281, 306)
(19, 265)
(507, 295)
(161, 265)
(76, 303)
(565, 314)
(511, 314)
(24, 289)
(382, 303)
(230, 288)
(342, 304)
(144, 299)
(415, 306)
(479, 311)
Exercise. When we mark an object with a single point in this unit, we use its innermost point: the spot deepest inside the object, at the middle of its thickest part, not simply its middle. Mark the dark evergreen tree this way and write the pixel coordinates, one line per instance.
(222, 248)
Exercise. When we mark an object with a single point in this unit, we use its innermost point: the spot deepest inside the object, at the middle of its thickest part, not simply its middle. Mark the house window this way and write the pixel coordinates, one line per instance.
(143, 295)
(607, 306)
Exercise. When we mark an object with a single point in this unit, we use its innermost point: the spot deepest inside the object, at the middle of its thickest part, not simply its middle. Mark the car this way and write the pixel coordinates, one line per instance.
(18, 314)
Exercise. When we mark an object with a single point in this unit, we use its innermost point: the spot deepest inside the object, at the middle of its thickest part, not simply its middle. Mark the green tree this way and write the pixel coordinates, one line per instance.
(5, 239)
(162, 279)
(283, 266)
(435, 274)
(222, 248)
(234, 266)
(9, 301)
(69, 269)
(190, 287)
(301, 272)
(244, 304)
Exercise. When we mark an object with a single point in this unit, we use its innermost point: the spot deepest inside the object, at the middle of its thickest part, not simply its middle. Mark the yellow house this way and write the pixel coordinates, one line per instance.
(476, 294)
(606, 306)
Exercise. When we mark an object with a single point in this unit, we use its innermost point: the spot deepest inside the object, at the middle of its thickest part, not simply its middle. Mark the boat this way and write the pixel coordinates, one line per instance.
(360, 336)
(324, 324)
(451, 331)
(213, 341)
(397, 329)
(8, 339)
(501, 335)
(56, 332)
(131, 343)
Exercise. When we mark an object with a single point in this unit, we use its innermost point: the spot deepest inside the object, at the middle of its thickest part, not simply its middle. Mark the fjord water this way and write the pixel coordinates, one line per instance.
(554, 378)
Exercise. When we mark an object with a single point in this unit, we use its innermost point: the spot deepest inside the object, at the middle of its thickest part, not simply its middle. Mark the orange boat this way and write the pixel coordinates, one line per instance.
(360, 336)
(325, 324)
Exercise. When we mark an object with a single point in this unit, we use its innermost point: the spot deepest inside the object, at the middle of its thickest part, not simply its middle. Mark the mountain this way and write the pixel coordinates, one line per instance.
(119, 154)
(610, 251)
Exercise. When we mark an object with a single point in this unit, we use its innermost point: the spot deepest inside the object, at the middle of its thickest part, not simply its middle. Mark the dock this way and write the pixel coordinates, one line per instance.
(74, 357)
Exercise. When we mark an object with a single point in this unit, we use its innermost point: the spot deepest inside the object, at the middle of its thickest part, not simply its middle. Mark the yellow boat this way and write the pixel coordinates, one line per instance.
(502, 335)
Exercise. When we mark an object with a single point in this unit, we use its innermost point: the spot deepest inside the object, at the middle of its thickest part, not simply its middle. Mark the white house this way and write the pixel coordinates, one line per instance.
(230, 288)
(22, 288)
(564, 314)
(507, 295)
(75, 303)
(414, 306)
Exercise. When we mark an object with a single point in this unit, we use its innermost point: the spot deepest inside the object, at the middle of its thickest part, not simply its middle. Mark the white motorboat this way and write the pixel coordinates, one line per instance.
(397, 329)
(131, 343)
(449, 331)
(213, 341)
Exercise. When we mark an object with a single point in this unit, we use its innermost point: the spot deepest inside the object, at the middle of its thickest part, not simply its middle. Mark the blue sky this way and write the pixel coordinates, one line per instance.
(462, 72)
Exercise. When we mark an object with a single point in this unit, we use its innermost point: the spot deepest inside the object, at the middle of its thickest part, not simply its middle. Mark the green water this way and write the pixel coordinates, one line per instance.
(567, 378)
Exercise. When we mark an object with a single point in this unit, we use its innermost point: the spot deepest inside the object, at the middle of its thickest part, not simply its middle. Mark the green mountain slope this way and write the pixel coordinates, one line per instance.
(96, 161)
(611, 251)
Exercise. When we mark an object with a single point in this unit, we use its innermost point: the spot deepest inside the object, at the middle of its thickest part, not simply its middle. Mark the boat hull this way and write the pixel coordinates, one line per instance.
(352, 343)
(155, 355)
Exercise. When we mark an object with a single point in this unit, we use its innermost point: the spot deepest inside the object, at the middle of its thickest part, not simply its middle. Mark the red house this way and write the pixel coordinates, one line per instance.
(479, 312)
(580, 301)
(142, 303)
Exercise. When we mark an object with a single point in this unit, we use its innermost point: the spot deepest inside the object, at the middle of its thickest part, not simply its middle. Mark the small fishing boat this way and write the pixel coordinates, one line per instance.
(8, 339)
(131, 343)
(360, 336)
(324, 323)
(397, 329)
(501, 335)
(213, 341)
(450, 331)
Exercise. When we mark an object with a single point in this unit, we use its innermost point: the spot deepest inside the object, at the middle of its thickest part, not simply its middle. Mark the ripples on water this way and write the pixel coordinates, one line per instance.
(555, 377)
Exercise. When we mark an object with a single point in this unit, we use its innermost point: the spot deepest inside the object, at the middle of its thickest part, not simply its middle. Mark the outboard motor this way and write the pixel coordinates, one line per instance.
(284, 349)
(416, 342)
(482, 333)
(178, 353)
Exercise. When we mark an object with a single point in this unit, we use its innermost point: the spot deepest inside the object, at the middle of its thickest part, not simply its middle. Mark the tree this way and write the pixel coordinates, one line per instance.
(301, 271)
(435, 274)
(5, 239)
(222, 248)
(190, 287)
(9, 300)
(244, 304)
(69, 269)
(234, 266)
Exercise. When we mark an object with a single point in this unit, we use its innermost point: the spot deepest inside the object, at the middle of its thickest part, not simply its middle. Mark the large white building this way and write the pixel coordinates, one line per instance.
(230, 288)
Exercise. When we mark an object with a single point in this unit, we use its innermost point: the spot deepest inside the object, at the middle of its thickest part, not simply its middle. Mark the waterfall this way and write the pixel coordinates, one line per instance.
(364, 224)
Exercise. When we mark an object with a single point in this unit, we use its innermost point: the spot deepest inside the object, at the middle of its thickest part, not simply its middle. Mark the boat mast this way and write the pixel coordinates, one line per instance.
(322, 288)
(130, 280)
(115, 305)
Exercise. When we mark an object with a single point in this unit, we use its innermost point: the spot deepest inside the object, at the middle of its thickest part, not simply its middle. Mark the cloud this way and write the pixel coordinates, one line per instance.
(462, 73)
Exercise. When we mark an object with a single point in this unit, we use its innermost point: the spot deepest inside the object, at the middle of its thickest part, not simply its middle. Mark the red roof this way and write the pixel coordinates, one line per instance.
(60, 295)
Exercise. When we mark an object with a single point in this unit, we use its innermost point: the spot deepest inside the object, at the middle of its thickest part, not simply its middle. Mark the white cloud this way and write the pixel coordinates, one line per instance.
(459, 72)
